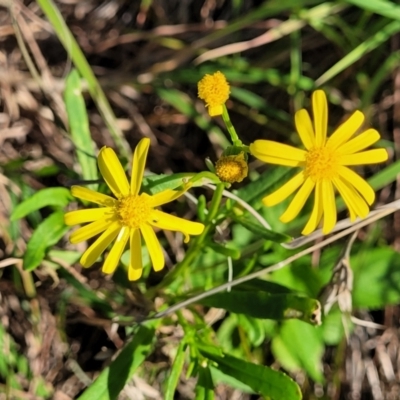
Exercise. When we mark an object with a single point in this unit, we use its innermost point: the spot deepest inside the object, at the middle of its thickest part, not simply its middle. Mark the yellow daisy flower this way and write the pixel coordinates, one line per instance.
(324, 166)
(214, 90)
(128, 217)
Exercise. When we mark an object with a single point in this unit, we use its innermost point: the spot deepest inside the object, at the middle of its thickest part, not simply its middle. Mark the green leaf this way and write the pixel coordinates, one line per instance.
(262, 379)
(386, 8)
(56, 197)
(376, 278)
(205, 385)
(298, 346)
(79, 126)
(261, 304)
(112, 379)
(47, 234)
(263, 233)
(181, 101)
(264, 184)
(226, 250)
(365, 47)
(176, 370)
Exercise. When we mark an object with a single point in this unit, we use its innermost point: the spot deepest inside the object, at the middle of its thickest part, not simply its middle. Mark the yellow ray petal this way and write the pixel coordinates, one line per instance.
(320, 114)
(169, 222)
(90, 256)
(93, 229)
(136, 263)
(374, 156)
(115, 254)
(153, 246)
(284, 191)
(134, 274)
(166, 196)
(353, 200)
(361, 142)
(316, 213)
(359, 183)
(345, 131)
(298, 201)
(329, 207)
(138, 164)
(82, 216)
(305, 129)
(112, 172)
(277, 153)
(92, 196)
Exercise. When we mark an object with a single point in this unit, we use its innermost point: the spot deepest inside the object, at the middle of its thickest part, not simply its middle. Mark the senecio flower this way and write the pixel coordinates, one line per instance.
(127, 217)
(214, 90)
(232, 168)
(324, 166)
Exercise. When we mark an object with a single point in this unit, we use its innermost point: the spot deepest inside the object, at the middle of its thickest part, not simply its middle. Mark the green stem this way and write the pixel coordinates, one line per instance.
(231, 129)
(197, 242)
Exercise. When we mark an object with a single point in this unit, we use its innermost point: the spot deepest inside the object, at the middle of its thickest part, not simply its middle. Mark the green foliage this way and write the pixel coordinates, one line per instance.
(47, 234)
(261, 379)
(265, 295)
(112, 379)
(79, 127)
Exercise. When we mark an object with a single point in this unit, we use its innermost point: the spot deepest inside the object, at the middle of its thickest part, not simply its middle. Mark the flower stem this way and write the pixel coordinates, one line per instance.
(231, 129)
(198, 241)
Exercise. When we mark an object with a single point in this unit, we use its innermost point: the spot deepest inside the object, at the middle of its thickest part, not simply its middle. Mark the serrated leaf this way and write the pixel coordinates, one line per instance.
(55, 197)
(79, 127)
(259, 304)
(263, 233)
(113, 378)
(261, 379)
(47, 234)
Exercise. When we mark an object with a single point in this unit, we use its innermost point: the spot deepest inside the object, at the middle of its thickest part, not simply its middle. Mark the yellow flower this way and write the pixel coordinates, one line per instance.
(324, 166)
(126, 218)
(231, 168)
(214, 90)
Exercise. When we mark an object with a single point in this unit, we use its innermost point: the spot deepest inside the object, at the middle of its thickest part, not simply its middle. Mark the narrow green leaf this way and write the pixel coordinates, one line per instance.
(47, 234)
(260, 304)
(79, 126)
(176, 370)
(225, 250)
(263, 233)
(181, 101)
(205, 385)
(262, 379)
(71, 46)
(386, 8)
(112, 379)
(365, 47)
(56, 197)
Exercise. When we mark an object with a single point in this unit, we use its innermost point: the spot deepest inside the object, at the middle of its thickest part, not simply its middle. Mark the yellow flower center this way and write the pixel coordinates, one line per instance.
(231, 168)
(214, 90)
(134, 211)
(321, 163)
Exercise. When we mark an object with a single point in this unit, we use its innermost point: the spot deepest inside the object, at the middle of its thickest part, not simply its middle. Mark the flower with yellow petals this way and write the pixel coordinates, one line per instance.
(126, 218)
(214, 90)
(232, 168)
(324, 166)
